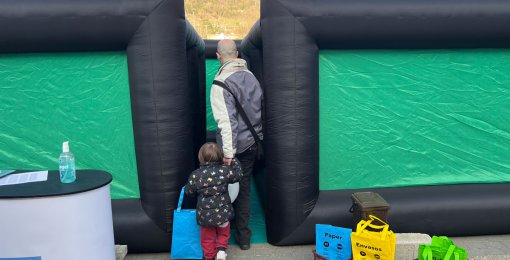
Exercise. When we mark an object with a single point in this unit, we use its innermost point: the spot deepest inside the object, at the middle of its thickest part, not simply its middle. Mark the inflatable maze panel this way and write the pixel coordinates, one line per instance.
(414, 106)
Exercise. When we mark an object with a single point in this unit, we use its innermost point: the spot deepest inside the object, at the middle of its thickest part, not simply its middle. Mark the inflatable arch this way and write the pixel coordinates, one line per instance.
(285, 49)
(165, 66)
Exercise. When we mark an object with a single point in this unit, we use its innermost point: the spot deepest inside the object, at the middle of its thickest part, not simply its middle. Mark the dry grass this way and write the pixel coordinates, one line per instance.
(233, 18)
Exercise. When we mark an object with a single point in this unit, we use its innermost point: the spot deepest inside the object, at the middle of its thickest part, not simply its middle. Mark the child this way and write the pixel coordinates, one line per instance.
(214, 208)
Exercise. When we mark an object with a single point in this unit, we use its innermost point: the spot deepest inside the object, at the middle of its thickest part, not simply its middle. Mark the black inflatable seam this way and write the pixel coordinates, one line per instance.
(146, 18)
(154, 101)
(297, 209)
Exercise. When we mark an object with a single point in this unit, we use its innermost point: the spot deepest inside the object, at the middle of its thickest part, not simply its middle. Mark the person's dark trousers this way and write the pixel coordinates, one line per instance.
(242, 203)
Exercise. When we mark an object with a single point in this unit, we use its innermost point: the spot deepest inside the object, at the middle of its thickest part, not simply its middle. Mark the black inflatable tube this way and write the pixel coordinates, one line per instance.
(153, 34)
(292, 33)
(196, 82)
(252, 41)
(132, 227)
(401, 24)
(210, 49)
(193, 40)
(251, 51)
(453, 210)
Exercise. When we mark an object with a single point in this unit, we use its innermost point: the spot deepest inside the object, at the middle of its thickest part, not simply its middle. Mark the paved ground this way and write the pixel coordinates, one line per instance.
(479, 248)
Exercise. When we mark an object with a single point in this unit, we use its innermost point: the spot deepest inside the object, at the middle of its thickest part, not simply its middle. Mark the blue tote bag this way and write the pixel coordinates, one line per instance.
(333, 243)
(186, 233)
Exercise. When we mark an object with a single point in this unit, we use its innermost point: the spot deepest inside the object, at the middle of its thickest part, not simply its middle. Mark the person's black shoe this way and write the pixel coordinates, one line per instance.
(244, 246)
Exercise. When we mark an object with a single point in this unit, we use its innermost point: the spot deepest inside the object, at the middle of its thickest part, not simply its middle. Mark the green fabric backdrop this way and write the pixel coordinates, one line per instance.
(211, 67)
(392, 118)
(46, 99)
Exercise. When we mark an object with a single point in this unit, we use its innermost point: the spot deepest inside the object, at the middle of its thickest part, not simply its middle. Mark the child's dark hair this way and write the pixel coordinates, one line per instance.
(210, 152)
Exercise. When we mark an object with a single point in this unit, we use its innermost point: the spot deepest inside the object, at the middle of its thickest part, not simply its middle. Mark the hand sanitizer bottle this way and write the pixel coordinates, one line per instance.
(66, 165)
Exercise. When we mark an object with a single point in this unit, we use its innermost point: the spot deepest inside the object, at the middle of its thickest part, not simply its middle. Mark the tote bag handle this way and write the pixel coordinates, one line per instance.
(362, 225)
(181, 197)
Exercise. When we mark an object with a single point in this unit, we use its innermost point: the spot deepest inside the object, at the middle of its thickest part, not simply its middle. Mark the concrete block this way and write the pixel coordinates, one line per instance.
(407, 245)
(120, 251)
(492, 257)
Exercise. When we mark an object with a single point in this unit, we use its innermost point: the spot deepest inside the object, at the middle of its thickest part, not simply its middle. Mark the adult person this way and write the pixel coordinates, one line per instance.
(233, 133)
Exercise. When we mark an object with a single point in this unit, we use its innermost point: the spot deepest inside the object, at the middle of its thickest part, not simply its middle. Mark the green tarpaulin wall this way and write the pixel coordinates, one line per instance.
(211, 67)
(46, 99)
(392, 118)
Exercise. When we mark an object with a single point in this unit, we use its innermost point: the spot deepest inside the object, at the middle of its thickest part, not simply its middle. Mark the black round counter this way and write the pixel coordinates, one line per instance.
(85, 180)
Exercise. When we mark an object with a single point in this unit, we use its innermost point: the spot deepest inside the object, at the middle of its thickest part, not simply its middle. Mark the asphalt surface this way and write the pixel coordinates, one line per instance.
(478, 247)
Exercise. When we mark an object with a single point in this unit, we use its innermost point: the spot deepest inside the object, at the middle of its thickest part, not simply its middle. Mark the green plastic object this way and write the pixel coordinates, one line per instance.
(393, 118)
(211, 67)
(49, 98)
(441, 248)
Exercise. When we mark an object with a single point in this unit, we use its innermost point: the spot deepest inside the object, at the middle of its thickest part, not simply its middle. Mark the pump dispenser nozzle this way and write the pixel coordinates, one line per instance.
(65, 147)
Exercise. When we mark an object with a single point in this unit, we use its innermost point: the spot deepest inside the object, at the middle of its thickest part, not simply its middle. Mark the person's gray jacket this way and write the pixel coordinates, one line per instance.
(233, 134)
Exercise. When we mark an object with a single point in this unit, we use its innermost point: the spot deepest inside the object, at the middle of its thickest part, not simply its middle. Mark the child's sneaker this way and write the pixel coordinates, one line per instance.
(221, 255)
